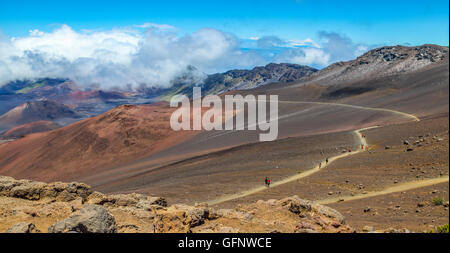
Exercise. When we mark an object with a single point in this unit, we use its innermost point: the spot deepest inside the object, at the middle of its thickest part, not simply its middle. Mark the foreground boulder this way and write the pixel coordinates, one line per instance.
(90, 219)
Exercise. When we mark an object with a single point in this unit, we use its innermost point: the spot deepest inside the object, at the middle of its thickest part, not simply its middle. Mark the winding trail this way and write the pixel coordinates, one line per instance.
(407, 115)
(356, 107)
(295, 177)
(330, 160)
(392, 189)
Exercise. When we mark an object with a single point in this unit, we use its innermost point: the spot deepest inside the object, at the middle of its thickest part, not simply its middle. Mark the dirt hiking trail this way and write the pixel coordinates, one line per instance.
(323, 164)
(317, 168)
(392, 189)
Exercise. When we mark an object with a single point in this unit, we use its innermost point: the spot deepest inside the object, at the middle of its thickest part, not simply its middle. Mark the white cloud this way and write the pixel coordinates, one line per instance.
(130, 58)
(341, 47)
(331, 48)
(304, 56)
(305, 42)
(119, 58)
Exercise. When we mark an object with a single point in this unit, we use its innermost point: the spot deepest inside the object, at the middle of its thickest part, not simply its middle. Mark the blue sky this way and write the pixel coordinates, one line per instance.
(128, 43)
(373, 22)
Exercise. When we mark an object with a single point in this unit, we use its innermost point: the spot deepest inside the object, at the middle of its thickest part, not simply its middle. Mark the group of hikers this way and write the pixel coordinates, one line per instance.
(267, 180)
(326, 163)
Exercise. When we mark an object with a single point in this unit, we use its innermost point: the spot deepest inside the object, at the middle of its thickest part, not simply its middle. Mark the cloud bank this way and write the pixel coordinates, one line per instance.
(155, 54)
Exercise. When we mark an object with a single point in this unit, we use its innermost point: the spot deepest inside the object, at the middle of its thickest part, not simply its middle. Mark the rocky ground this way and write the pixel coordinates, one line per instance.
(417, 210)
(31, 207)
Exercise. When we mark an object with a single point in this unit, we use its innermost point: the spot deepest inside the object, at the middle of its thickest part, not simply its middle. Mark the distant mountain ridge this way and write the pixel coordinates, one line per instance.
(237, 79)
(382, 62)
(258, 76)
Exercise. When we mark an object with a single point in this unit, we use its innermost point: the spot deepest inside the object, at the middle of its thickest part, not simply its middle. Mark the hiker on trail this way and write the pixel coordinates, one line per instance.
(362, 146)
(266, 181)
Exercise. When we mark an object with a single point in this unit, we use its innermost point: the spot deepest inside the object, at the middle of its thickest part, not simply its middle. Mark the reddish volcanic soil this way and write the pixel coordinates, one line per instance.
(26, 129)
(123, 134)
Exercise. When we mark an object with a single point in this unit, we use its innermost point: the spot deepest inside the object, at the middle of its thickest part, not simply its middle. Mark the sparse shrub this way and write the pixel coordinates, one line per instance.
(438, 201)
(443, 229)
(299, 171)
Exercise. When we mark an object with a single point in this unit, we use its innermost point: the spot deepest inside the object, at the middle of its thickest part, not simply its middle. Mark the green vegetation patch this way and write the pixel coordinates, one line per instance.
(30, 87)
(438, 201)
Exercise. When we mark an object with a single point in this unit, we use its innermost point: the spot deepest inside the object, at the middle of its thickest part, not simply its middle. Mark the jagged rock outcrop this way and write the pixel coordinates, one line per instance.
(74, 207)
(31, 190)
(90, 219)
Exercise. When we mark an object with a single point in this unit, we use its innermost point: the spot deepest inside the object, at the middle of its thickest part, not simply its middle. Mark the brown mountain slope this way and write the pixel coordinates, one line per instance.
(122, 134)
(29, 128)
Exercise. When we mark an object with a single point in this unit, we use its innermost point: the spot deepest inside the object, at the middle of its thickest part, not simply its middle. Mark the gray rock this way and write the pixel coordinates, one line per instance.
(23, 227)
(6, 184)
(296, 205)
(148, 205)
(90, 219)
(329, 212)
(31, 191)
(123, 200)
